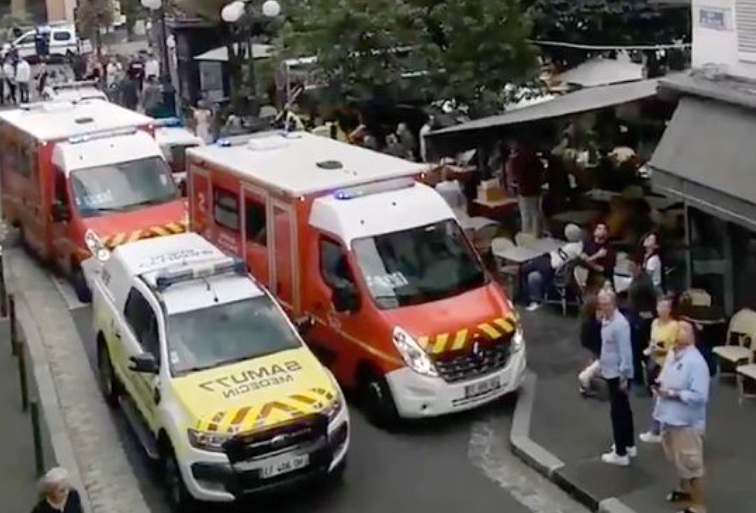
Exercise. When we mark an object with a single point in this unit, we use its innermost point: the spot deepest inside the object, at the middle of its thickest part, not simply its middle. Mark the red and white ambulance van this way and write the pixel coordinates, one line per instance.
(72, 167)
(403, 309)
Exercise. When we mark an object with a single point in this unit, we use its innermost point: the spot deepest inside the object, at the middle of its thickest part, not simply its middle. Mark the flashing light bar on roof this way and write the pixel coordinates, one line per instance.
(194, 272)
(77, 139)
(375, 188)
(168, 123)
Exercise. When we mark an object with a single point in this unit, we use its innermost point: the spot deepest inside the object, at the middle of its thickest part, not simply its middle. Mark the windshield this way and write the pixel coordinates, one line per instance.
(122, 186)
(419, 265)
(227, 333)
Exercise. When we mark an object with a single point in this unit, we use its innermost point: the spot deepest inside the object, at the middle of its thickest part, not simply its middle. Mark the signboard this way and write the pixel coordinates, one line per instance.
(712, 18)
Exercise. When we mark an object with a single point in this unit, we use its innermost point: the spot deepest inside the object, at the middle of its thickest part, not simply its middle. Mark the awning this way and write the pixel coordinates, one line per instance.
(220, 54)
(706, 157)
(584, 100)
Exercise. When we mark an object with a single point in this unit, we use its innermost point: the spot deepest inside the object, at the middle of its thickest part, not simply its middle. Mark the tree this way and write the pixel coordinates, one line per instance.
(606, 22)
(92, 16)
(467, 51)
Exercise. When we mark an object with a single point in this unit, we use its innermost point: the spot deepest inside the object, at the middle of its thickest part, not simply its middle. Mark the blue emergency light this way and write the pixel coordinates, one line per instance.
(194, 272)
(375, 188)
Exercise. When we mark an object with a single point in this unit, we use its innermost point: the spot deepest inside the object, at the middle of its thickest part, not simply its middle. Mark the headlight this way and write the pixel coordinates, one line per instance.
(333, 409)
(518, 340)
(212, 442)
(413, 355)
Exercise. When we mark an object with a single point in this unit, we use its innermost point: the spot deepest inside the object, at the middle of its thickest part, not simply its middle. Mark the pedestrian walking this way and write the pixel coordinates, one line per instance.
(642, 303)
(682, 396)
(9, 70)
(152, 96)
(43, 75)
(58, 496)
(23, 79)
(130, 92)
(203, 116)
(151, 67)
(525, 169)
(616, 361)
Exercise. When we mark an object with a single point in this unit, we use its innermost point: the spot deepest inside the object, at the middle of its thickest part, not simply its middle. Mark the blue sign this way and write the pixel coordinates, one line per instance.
(712, 19)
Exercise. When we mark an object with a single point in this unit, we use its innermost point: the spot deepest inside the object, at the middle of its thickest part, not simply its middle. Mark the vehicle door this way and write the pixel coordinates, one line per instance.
(61, 40)
(30, 182)
(282, 240)
(336, 305)
(256, 234)
(139, 334)
(199, 201)
(26, 44)
(64, 245)
(226, 211)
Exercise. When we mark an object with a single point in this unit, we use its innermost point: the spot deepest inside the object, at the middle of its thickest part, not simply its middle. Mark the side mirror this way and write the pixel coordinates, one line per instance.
(60, 212)
(304, 324)
(346, 298)
(144, 363)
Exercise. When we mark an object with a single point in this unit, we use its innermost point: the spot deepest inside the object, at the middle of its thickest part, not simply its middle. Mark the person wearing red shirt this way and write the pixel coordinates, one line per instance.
(525, 169)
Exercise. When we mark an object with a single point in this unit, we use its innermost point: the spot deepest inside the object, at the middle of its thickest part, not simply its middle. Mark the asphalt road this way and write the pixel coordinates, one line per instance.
(452, 464)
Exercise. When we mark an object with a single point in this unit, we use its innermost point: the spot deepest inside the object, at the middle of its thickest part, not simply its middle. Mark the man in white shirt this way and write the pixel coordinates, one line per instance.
(152, 67)
(9, 72)
(23, 78)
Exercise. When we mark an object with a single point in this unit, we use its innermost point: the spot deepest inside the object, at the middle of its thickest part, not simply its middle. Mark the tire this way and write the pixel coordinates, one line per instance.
(79, 284)
(377, 401)
(179, 498)
(109, 385)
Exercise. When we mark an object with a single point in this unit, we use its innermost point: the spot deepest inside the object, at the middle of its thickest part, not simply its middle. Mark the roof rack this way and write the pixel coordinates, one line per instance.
(172, 276)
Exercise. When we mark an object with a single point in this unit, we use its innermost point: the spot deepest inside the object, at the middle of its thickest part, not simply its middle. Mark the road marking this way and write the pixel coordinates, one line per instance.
(489, 451)
(67, 292)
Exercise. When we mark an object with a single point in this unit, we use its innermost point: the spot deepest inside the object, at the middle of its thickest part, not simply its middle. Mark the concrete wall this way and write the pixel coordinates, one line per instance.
(715, 38)
(56, 10)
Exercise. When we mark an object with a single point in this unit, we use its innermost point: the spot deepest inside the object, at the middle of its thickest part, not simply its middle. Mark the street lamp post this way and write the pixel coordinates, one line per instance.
(169, 98)
(234, 12)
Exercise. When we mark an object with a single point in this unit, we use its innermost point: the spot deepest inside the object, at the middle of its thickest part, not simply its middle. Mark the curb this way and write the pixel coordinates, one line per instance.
(83, 435)
(543, 461)
(48, 398)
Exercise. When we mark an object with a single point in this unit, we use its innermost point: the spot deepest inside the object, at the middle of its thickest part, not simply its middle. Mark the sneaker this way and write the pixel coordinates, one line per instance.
(650, 438)
(532, 307)
(612, 458)
(631, 451)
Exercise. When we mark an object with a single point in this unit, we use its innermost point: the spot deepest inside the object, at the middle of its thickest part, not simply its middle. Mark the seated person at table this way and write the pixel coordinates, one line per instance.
(598, 257)
(540, 271)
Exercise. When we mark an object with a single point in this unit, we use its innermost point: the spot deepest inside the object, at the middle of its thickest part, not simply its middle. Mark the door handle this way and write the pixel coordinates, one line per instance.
(156, 396)
(117, 334)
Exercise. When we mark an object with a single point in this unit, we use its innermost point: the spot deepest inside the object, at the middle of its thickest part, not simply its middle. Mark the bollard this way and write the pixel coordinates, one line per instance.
(22, 376)
(12, 321)
(39, 450)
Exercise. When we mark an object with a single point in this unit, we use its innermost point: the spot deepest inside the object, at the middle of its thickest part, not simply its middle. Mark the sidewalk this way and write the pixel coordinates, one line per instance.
(574, 432)
(18, 478)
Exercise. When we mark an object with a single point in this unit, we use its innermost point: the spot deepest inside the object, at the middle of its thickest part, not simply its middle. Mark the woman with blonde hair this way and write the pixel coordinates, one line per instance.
(57, 494)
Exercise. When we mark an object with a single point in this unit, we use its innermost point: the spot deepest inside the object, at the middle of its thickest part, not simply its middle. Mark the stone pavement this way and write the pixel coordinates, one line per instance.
(83, 436)
(563, 435)
(18, 477)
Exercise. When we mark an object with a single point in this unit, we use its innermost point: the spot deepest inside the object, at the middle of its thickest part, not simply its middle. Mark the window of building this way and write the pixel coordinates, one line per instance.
(226, 208)
(745, 22)
(256, 222)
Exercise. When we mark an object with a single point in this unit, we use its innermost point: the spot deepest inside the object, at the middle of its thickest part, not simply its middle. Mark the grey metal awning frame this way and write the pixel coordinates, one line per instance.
(719, 184)
(468, 135)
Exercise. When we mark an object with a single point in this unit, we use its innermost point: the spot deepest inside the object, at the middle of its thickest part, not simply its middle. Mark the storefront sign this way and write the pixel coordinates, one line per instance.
(715, 19)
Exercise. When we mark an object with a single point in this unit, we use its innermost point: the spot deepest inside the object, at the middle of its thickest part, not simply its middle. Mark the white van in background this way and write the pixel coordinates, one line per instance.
(61, 39)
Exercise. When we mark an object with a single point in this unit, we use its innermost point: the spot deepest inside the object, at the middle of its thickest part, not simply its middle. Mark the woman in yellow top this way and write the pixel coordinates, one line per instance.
(664, 332)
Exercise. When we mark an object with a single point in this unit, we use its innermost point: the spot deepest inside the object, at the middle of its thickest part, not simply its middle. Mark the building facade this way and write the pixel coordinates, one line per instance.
(707, 156)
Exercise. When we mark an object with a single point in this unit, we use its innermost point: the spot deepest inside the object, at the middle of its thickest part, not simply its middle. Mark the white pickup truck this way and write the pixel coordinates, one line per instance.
(60, 39)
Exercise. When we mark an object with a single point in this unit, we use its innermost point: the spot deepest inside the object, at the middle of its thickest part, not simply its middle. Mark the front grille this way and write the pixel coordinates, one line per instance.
(304, 431)
(470, 366)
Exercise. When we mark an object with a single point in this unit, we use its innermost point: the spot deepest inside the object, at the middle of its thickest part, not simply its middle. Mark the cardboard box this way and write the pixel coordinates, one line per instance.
(490, 190)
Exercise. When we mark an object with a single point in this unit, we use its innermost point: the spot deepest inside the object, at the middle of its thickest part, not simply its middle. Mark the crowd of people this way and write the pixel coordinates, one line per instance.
(15, 79)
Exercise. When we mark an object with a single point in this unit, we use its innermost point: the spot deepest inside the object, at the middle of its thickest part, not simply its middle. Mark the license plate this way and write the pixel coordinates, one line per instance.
(284, 465)
(482, 387)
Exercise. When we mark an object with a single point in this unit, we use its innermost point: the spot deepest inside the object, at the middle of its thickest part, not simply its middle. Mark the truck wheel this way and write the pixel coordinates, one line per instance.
(179, 498)
(109, 385)
(79, 283)
(377, 401)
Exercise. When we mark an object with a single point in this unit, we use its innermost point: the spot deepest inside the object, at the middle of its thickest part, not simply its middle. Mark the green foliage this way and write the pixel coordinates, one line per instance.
(606, 22)
(93, 14)
(468, 51)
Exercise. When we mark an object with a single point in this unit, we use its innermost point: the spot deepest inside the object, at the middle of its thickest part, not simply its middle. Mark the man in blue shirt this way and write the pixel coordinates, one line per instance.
(682, 393)
(616, 361)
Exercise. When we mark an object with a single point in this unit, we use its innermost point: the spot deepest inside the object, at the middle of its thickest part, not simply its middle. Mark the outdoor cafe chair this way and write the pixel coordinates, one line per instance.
(746, 373)
(526, 240)
(697, 297)
(739, 344)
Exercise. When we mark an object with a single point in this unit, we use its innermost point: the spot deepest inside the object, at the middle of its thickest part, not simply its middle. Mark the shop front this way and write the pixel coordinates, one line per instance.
(706, 159)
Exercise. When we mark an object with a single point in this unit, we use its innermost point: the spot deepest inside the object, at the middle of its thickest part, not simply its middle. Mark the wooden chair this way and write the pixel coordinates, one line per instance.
(739, 344)
(746, 373)
(525, 239)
